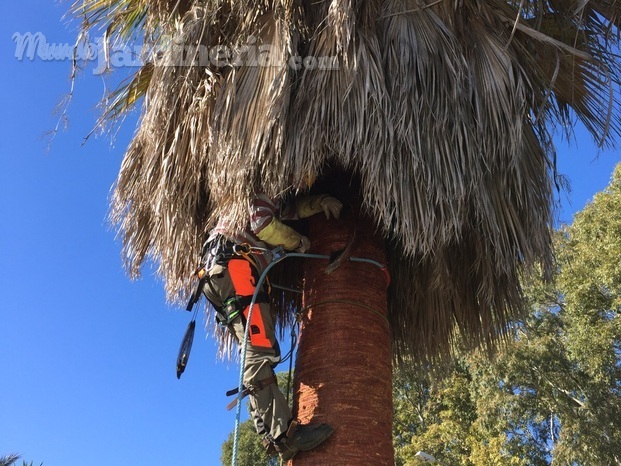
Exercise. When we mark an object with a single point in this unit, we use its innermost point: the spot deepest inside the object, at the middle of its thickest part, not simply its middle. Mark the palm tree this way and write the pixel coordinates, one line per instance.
(436, 125)
(9, 460)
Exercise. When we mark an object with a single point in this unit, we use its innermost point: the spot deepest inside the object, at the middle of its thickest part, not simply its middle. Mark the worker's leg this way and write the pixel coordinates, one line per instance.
(268, 405)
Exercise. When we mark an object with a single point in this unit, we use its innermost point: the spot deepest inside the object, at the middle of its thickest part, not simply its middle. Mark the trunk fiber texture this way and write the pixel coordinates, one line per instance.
(343, 372)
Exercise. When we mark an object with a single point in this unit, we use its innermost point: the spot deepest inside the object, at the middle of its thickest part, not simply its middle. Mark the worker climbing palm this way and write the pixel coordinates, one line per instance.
(229, 286)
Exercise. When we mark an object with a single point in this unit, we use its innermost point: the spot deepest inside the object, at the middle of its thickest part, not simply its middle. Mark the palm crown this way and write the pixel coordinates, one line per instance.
(445, 110)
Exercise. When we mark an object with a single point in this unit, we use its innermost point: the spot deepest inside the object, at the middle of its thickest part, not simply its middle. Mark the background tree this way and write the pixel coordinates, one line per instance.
(552, 395)
(251, 451)
(590, 281)
(438, 119)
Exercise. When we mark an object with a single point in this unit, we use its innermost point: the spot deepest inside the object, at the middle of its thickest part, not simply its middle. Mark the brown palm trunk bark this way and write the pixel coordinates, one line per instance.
(343, 373)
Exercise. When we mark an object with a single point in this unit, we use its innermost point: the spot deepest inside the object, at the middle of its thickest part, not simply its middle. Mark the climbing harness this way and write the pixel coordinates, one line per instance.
(219, 251)
(278, 254)
(235, 306)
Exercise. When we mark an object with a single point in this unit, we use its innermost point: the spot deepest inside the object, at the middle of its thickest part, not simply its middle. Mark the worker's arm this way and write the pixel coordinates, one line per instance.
(265, 219)
(265, 224)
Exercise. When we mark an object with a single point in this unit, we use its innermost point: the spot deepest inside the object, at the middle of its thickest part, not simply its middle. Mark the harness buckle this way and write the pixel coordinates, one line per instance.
(278, 253)
(227, 313)
(250, 390)
(241, 249)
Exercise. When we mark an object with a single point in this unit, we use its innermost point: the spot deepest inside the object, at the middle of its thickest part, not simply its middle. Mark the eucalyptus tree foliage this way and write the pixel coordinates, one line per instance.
(534, 406)
(444, 110)
(552, 395)
(590, 282)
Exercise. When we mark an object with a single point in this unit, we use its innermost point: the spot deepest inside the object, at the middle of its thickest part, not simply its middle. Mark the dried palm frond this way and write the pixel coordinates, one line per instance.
(443, 109)
(126, 19)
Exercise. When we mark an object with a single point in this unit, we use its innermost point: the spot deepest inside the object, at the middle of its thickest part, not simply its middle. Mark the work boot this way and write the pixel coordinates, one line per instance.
(304, 438)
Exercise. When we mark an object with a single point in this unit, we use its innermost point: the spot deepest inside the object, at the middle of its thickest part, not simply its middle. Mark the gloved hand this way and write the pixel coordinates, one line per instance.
(331, 206)
(304, 246)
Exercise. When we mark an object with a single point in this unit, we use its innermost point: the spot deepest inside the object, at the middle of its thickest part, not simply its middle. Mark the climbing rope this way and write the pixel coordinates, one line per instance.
(278, 255)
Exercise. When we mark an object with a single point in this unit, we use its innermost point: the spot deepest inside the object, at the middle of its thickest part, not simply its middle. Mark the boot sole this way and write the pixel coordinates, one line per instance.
(319, 441)
(286, 457)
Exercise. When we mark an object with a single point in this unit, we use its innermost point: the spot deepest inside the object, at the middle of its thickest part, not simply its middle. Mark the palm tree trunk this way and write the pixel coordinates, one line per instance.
(343, 371)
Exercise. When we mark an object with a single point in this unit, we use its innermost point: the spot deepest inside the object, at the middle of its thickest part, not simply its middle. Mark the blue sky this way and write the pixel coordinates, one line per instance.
(88, 356)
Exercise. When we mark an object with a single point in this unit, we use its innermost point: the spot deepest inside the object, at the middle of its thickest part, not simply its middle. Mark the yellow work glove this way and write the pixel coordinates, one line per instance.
(331, 206)
(311, 205)
(304, 246)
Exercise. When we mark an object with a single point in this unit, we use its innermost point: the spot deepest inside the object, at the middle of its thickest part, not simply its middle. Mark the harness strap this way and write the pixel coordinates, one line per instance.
(250, 390)
(202, 274)
(222, 250)
(244, 301)
(273, 446)
(235, 306)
